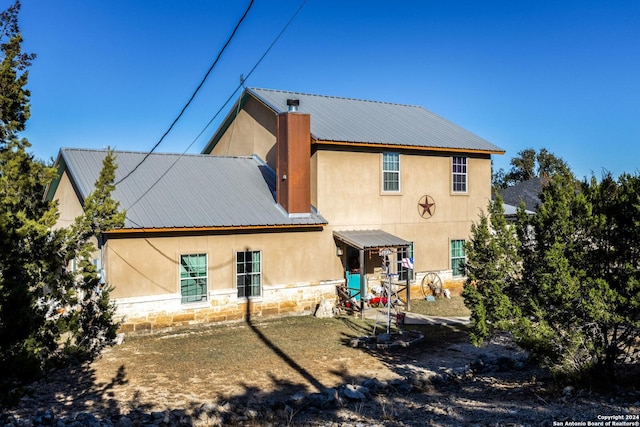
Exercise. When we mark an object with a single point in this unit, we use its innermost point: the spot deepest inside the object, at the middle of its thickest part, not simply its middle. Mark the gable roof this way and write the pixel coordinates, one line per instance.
(171, 191)
(355, 121)
(526, 191)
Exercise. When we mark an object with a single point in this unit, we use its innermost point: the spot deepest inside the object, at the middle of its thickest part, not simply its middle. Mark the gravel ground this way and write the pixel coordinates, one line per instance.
(454, 385)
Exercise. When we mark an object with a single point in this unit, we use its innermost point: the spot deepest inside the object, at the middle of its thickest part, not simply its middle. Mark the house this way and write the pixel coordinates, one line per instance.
(293, 195)
(527, 192)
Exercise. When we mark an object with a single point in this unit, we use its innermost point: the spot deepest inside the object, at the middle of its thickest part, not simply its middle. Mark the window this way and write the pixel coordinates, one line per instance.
(390, 172)
(459, 174)
(193, 278)
(248, 273)
(457, 257)
(405, 268)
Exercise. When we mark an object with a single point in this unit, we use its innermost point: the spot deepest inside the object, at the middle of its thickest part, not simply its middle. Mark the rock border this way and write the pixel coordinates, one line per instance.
(387, 341)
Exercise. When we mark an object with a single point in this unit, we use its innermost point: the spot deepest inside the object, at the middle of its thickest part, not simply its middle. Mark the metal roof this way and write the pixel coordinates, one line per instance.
(194, 191)
(360, 121)
(370, 239)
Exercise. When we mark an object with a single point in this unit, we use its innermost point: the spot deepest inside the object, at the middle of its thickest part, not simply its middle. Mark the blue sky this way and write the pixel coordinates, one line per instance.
(561, 75)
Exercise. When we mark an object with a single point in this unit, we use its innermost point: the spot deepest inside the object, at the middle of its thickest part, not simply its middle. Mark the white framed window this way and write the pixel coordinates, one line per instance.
(249, 273)
(457, 257)
(390, 172)
(193, 278)
(459, 174)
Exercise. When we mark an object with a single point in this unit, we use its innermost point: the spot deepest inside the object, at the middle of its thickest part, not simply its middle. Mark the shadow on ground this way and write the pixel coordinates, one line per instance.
(441, 381)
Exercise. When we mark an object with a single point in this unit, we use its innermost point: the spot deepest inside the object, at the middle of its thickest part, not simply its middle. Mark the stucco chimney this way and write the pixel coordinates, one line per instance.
(293, 187)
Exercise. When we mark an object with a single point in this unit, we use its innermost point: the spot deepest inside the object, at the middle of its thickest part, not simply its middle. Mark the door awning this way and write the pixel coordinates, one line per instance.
(370, 239)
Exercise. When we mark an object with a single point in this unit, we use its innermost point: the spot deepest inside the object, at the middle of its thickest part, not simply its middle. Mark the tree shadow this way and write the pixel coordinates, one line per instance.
(456, 383)
(436, 384)
(281, 354)
(70, 390)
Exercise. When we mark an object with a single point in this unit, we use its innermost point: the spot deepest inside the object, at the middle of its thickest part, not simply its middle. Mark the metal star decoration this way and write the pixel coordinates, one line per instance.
(426, 206)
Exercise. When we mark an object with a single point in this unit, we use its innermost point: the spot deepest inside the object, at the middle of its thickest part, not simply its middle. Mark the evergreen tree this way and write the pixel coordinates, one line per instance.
(523, 166)
(528, 164)
(28, 249)
(554, 279)
(89, 323)
(492, 267)
(14, 97)
(613, 267)
(574, 302)
(549, 164)
(40, 299)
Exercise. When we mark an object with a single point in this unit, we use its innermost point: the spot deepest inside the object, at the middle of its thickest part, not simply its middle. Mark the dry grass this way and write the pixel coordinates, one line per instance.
(261, 356)
(302, 353)
(258, 363)
(441, 307)
(254, 361)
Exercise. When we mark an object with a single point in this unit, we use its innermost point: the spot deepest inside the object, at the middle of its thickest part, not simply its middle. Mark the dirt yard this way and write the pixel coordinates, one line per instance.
(273, 373)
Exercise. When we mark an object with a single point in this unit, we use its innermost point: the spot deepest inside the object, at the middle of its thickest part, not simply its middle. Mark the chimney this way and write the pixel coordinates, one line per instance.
(293, 186)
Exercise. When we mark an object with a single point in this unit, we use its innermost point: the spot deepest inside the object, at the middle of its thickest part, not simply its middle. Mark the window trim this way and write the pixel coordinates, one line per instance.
(203, 296)
(259, 274)
(389, 171)
(455, 174)
(456, 259)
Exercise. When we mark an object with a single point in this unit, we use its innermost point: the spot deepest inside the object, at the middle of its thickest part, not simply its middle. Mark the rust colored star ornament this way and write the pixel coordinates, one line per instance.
(426, 207)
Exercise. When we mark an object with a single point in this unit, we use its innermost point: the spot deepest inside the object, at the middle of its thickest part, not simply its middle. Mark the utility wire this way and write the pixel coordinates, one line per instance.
(241, 85)
(235, 30)
(244, 79)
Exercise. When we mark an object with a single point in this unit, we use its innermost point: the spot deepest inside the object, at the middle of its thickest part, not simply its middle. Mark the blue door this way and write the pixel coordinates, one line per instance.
(353, 283)
(353, 273)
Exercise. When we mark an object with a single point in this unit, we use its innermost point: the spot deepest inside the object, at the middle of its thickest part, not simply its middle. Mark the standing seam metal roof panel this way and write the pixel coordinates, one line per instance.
(361, 121)
(370, 239)
(177, 191)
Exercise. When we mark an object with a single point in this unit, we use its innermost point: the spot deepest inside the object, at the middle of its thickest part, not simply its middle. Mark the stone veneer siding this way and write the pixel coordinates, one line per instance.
(146, 314)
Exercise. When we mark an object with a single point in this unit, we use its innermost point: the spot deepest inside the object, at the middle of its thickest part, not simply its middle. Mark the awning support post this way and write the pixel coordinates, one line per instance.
(363, 279)
(409, 289)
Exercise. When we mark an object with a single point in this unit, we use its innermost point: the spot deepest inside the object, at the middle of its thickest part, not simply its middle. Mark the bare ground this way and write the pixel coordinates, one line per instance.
(442, 381)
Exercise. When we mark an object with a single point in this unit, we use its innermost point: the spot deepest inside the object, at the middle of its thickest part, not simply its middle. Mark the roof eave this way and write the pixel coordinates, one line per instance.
(403, 146)
(51, 187)
(271, 227)
(62, 166)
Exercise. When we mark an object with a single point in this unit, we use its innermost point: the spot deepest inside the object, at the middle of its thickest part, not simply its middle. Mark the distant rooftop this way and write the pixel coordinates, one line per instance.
(525, 191)
(187, 191)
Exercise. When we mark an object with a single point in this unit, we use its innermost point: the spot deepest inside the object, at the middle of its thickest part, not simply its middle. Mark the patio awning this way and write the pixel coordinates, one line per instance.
(370, 239)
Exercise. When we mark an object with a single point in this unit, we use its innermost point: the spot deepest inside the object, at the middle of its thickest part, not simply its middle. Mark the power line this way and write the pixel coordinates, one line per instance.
(233, 33)
(243, 79)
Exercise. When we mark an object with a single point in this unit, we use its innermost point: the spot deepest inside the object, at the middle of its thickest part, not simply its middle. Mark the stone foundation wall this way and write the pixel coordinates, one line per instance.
(146, 314)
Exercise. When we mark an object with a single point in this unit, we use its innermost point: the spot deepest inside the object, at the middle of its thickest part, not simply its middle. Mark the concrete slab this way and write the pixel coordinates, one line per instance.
(415, 318)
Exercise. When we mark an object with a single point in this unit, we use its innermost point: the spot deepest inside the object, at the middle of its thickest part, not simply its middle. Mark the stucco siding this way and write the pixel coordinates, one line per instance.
(298, 270)
(349, 196)
(150, 266)
(252, 132)
(69, 206)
